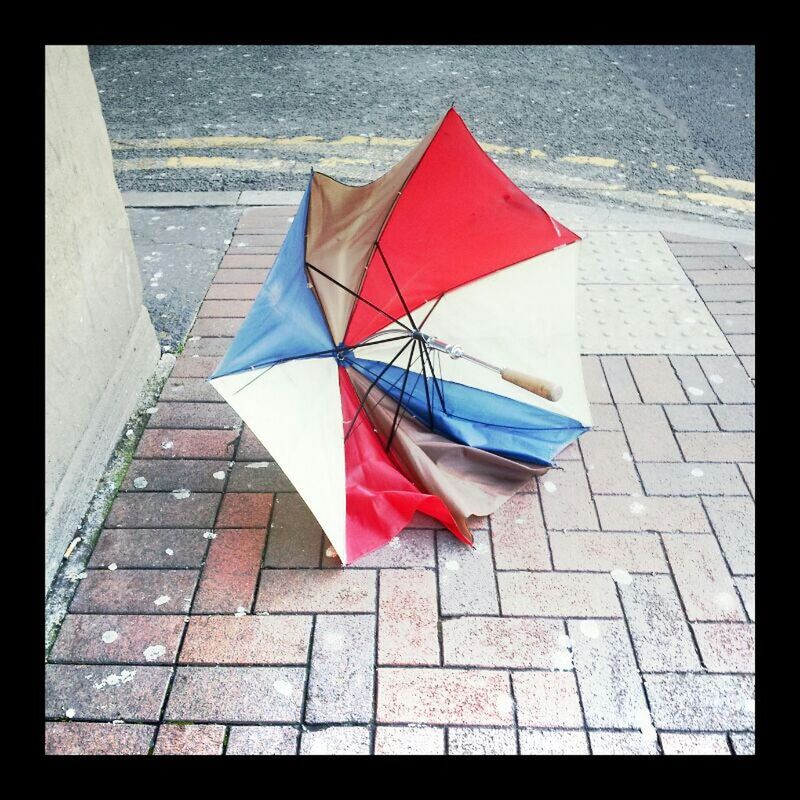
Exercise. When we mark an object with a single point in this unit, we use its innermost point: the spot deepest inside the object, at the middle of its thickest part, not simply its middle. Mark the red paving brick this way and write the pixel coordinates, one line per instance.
(190, 740)
(266, 640)
(164, 510)
(97, 739)
(151, 547)
(135, 591)
(172, 443)
(229, 578)
(118, 639)
(244, 510)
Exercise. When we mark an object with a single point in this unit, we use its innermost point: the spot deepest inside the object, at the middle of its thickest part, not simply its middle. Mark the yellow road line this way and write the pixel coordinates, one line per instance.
(732, 184)
(595, 161)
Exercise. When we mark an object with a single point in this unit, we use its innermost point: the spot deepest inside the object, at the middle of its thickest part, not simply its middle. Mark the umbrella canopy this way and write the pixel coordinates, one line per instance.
(387, 361)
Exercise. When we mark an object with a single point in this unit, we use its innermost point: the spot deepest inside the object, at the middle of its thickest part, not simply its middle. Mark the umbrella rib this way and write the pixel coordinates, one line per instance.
(357, 295)
(427, 392)
(395, 421)
(396, 287)
(371, 386)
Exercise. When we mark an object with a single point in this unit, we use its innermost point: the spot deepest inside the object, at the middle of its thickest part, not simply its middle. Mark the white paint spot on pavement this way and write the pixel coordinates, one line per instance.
(452, 565)
(112, 567)
(621, 576)
(626, 457)
(331, 553)
(159, 601)
(181, 494)
(714, 378)
(167, 445)
(694, 391)
(169, 551)
(109, 636)
(590, 629)
(636, 508)
(504, 704)
(209, 535)
(241, 611)
(697, 472)
(549, 486)
(220, 476)
(140, 482)
(160, 296)
(725, 601)
(283, 687)
(69, 713)
(154, 652)
(258, 465)
(115, 680)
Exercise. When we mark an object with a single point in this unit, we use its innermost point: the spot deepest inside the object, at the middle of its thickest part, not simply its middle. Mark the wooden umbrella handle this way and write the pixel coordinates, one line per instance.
(547, 389)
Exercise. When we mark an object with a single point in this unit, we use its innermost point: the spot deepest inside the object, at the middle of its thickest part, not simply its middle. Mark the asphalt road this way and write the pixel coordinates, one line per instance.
(665, 127)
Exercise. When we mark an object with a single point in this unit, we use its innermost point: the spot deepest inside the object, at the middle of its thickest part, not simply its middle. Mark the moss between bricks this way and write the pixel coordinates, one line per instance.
(67, 578)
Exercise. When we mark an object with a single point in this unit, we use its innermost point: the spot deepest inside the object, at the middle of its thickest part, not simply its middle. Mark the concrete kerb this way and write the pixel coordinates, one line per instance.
(591, 217)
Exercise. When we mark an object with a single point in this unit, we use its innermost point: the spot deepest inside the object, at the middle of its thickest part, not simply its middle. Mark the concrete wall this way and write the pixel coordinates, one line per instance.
(100, 344)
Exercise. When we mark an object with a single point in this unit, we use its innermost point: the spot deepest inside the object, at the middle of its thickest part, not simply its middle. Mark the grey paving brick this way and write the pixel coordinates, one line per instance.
(742, 292)
(583, 550)
(694, 382)
(408, 617)
(609, 464)
(695, 744)
(594, 379)
(567, 500)
(743, 344)
(697, 702)
(684, 249)
(691, 418)
(737, 323)
(749, 474)
(623, 743)
(504, 642)
(481, 742)
(620, 381)
(518, 534)
(656, 380)
(533, 742)
(702, 577)
(651, 514)
(605, 417)
(727, 376)
(344, 740)
(649, 433)
(262, 740)
(295, 536)
(747, 591)
(558, 594)
(735, 418)
(744, 744)
(412, 548)
(236, 694)
(391, 740)
(724, 307)
(692, 479)
(658, 627)
(547, 699)
(466, 576)
(727, 646)
(610, 683)
(342, 669)
(735, 525)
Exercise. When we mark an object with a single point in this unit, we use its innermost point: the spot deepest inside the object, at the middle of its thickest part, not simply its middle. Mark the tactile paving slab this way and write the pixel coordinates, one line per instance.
(646, 319)
(634, 297)
(628, 257)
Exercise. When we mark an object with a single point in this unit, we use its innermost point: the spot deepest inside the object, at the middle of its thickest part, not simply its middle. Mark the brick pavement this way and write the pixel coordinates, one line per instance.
(608, 609)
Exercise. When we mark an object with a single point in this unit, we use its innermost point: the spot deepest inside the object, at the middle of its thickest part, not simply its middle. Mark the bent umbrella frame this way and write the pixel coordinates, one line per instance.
(388, 363)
